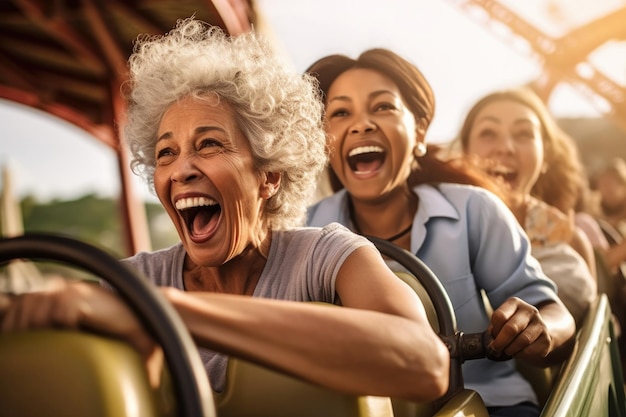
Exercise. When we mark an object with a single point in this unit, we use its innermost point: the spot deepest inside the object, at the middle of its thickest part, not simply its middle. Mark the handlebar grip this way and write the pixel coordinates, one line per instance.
(466, 346)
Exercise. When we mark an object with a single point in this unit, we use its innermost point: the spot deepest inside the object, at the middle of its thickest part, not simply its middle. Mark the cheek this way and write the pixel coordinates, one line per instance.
(237, 182)
(475, 147)
(161, 183)
(335, 162)
(402, 154)
(540, 153)
(532, 156)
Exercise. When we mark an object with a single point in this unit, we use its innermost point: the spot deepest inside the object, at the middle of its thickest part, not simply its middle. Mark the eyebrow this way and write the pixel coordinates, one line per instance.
(515, 122)
(197, 131)
(490, 118)
(373, 94)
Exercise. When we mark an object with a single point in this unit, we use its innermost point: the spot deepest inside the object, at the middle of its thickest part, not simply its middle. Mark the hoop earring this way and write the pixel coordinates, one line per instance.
(420, 149)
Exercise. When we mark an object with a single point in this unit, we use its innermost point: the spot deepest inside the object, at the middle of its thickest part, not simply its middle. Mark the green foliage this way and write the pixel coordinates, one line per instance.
(95, 220)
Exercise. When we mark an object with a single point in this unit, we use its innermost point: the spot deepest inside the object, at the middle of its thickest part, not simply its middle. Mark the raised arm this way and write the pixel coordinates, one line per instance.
(379, 343)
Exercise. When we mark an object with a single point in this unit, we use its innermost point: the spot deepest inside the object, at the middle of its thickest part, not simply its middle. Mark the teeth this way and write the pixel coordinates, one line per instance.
(499, 169)
(365, 149)
(502, 171)
(186, 203)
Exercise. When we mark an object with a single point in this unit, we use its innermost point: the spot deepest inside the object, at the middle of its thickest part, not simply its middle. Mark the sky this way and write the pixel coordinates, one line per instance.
(461, 59)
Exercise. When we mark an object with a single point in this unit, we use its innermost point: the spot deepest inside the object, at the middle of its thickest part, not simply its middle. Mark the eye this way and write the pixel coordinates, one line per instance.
(164, 152)
(488, 134)
(208, 143)
(524, 135)
(209, 146)
(384, 106)
(338, 113)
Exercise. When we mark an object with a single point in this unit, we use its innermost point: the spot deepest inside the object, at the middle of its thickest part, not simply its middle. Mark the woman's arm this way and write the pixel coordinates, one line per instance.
(379, 343)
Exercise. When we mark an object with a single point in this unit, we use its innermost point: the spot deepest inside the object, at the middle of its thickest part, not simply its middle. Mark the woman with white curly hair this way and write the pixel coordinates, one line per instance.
(232, 143)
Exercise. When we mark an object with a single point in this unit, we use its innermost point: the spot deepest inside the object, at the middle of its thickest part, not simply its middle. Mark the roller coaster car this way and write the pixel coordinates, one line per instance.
(68, 373)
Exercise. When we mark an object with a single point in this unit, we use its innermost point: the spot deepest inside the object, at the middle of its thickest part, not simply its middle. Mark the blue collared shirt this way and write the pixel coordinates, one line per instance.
(472, 243)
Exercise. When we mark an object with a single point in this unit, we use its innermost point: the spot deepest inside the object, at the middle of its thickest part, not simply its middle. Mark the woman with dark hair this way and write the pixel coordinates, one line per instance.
(377, 111)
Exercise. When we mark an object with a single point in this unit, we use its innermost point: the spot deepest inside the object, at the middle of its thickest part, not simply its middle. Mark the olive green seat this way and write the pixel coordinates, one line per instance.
(255, 391)
(72, 374)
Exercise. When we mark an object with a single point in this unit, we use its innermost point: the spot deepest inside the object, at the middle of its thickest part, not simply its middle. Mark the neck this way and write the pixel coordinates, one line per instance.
(518, 204)
(239, 275)
(390, 219)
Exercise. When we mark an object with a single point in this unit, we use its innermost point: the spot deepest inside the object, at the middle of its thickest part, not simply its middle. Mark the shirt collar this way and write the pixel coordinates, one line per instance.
(432, 203)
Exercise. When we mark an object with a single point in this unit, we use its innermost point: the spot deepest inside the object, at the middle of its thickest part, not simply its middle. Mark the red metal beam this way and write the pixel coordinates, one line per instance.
(57, 28)
(135, 225)
(104, 133)
(563, 59)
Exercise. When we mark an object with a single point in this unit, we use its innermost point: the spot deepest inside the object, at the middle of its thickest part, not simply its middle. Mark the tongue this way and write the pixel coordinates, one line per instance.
(203, 222)
(368, 166)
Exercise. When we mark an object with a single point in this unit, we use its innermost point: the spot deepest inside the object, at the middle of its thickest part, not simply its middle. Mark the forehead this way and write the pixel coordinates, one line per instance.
(507, 111)
(361, 81)
(207, 109)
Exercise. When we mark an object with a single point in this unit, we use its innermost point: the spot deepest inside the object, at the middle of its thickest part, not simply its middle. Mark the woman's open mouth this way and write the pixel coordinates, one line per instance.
(201, 215)
(506, 174)
(366, 159)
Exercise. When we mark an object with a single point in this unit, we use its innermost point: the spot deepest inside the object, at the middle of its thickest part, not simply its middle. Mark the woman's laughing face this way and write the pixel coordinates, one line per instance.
(206, 180)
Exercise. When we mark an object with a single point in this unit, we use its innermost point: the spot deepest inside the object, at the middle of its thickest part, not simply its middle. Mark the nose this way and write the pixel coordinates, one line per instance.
(505, 144)
(362, 124)
(185, 169)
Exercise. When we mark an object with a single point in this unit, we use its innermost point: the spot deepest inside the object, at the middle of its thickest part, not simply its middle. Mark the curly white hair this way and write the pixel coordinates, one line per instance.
(278, 109)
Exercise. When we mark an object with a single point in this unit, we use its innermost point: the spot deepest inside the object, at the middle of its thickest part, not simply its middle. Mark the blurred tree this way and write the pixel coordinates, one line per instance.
(95, 220)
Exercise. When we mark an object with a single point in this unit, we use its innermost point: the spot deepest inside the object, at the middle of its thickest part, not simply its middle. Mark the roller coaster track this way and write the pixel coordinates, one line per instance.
(564, 59)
